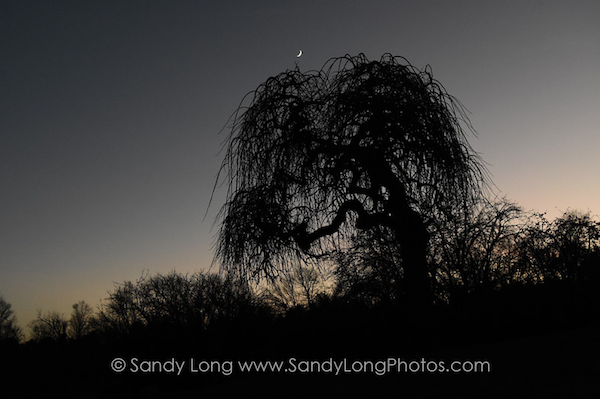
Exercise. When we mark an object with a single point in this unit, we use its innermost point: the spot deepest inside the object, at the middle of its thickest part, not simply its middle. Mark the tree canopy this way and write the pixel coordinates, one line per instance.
(315, 157)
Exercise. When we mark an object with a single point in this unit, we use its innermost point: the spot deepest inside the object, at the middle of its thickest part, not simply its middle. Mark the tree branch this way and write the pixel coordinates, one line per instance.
(365, 221)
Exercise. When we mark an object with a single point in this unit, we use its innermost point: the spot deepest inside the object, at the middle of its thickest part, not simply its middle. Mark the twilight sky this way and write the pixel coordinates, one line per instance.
(111, 112)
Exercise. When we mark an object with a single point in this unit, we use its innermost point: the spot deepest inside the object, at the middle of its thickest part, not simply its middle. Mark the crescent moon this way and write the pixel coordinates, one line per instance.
(299, 54)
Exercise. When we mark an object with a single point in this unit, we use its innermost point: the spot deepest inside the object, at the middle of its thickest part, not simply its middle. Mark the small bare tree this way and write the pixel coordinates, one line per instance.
(51, 325)
(475, 247)
(299, 287)
(9, 328)
(81, 320)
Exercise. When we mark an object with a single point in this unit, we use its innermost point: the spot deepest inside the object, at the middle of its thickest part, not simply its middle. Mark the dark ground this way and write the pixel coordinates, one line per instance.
(539, 344)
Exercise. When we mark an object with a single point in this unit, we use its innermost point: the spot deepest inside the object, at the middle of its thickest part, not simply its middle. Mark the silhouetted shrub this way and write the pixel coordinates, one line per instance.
(197, 301)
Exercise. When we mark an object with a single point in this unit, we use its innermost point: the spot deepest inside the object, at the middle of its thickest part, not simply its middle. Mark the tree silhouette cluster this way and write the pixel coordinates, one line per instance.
(53, 326)
(364, 167)
(499, 248)
(503, 274)
(198, 300)
(353, 202)
(489, 247)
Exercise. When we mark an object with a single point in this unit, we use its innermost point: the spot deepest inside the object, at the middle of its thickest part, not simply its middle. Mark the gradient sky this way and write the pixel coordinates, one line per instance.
(111, 112)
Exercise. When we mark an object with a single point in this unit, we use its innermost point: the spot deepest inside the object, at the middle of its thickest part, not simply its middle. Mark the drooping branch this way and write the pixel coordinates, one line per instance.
(364, 221)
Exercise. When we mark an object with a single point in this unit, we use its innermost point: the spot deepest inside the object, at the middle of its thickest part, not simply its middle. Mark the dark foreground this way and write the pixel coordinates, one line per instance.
(536, 345)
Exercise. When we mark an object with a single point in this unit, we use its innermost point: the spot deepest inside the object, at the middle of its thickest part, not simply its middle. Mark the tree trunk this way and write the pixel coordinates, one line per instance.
(408, 226)
(413, 237)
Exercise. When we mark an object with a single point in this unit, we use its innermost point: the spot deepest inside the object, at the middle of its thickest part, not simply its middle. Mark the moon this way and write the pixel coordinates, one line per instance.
(299, 54)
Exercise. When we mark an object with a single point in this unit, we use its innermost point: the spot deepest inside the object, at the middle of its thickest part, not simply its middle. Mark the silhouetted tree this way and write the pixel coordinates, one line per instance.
(535, 255)
(81, 320)
(576, 237)
(317, 156)
(9, 329)
(299, 287)
(50, 325)
(474, 247)
(121, 310)
(565, 249)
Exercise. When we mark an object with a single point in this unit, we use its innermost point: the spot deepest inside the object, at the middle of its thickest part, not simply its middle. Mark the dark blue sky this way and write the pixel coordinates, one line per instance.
(111, 112)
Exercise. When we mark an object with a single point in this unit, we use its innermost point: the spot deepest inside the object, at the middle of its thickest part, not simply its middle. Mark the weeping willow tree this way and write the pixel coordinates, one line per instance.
(315, 158)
